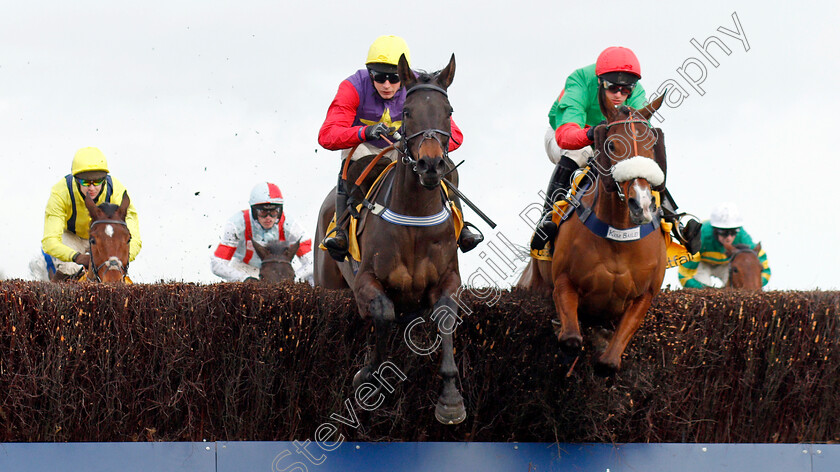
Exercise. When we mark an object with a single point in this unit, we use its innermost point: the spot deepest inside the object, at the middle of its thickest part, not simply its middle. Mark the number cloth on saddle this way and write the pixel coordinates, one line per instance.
(354, 230)
(676, 255)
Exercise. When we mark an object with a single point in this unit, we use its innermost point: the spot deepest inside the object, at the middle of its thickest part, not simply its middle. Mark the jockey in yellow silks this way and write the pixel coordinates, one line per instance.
(65, 247)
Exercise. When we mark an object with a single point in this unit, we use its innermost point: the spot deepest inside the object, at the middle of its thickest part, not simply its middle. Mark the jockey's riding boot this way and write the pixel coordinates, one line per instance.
(689, 234)
(559, 184)
(338, 244)
(468, 239)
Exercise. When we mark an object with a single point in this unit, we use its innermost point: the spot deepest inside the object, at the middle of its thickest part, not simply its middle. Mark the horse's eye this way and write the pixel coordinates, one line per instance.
(92, 240)
(611, 146)
(406, 112)
(735, 269)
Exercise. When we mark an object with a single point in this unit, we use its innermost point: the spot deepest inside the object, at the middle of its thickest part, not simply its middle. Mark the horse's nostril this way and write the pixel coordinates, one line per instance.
(634, 204)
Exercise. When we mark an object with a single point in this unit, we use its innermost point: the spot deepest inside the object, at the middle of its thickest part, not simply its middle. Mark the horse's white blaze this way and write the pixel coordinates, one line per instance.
(638, 167)
(109, 230)
(645, 199)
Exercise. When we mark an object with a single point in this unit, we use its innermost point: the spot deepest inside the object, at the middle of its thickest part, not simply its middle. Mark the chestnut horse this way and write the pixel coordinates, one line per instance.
(409, 263)
(744, 267)
(609, 260)
(276, 261)
(109, 239)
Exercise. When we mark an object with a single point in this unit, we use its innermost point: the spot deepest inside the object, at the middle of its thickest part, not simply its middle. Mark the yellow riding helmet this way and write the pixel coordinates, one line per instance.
(89, 159)
(387, 50)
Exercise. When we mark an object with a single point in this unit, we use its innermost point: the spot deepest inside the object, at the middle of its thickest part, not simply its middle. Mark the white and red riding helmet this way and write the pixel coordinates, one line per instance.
(266, 193)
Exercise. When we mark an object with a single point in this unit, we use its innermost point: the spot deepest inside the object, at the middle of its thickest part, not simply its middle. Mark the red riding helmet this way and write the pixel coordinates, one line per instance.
(620, 61)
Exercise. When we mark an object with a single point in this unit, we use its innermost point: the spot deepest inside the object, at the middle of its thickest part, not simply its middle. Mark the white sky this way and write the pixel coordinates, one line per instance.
(195, 102)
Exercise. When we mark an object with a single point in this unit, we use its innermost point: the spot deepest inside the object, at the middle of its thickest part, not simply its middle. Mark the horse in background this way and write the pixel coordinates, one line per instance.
(408, 268)
(609, 258)
(276, 258)
(744, 267)
(109, 239)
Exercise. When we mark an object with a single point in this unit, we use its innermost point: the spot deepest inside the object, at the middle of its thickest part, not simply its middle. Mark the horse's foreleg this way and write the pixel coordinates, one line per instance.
(450, 406)
(610, 361)
(566, 303)
(373, 303)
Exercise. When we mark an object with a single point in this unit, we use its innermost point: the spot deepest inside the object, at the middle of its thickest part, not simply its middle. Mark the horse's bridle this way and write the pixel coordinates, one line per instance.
(123, 268)
(632, 122)
(430, 133)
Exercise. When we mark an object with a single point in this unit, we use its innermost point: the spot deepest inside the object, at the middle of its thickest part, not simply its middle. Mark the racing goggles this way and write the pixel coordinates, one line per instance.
(381, 77)
(626, 89)
(274, 212)
(89, 183)
(726, 232)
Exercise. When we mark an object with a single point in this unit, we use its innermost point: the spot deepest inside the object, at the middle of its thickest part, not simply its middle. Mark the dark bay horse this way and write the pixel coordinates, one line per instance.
(609, 257)
(109, 239)
(276, 260)
(408, 267)
(744, 267)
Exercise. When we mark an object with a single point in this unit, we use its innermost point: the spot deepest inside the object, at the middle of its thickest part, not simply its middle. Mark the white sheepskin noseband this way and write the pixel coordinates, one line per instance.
(638, 167)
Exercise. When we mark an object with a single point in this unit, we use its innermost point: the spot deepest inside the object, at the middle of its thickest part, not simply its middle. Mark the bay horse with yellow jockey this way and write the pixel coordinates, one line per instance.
(408, 261)
(109, 239)
(609, 258)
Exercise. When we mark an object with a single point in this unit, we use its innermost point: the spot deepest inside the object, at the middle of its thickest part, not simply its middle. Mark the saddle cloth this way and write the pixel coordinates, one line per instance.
(357, 228)
(676, 253)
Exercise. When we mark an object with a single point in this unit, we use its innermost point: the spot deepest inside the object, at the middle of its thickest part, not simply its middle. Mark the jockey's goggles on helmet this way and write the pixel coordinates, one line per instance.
(626, 89)
(726, 232)
(269, 210)
(88, 182)
(381, 77)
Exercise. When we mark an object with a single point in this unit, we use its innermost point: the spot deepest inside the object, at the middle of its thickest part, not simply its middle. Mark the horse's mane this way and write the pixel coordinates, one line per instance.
(742, 246)
(276, 247)
(109, 209)
(424, 77)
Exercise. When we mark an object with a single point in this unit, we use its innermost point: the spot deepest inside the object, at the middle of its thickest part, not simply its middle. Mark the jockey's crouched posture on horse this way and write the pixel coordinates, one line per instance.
(65, 249)
(235, 259)
(366, 110)
(718, 236)
(573, 118)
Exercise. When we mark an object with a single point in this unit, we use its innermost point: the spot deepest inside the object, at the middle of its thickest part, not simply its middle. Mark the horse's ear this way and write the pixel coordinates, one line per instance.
(446, 76)
(757, 248)
(293, 248)
(93, 211)
(406, 74)
(659, 156)
(609, 111)
(123, 210)
(651, 108)
(603, 161)
(261, 250)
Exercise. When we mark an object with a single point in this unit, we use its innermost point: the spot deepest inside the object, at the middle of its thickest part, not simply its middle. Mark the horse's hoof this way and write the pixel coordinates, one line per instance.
(450, 414)
(362, 376)
(571, 345)
(605, 369)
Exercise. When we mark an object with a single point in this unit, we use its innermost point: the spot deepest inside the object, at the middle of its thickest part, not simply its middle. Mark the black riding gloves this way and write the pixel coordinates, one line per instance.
(590, 133)
(377, 131)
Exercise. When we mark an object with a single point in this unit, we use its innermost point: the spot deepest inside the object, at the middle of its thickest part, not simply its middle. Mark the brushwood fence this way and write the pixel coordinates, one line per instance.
(225, 362)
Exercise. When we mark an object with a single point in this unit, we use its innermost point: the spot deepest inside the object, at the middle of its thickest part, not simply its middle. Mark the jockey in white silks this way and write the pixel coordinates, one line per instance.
(235, 260)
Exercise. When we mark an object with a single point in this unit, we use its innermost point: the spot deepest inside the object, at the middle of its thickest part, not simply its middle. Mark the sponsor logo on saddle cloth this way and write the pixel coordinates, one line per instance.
(676, 253)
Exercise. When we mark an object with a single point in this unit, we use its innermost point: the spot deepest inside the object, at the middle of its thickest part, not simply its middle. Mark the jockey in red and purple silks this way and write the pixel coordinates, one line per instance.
(367, 107)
